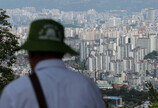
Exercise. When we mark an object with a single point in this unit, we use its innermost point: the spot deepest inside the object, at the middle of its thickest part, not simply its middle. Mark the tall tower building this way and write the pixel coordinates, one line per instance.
(151, 14)
(144, 43)
(82, 50)
(157, 43)
(98, 62)
(153, 41)
(92, 63)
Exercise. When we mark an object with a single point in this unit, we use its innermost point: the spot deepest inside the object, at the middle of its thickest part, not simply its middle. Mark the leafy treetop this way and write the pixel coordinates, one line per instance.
(8, 44)
(152, 55)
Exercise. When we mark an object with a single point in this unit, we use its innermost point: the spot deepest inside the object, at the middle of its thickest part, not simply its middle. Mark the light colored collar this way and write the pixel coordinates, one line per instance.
(49, 63)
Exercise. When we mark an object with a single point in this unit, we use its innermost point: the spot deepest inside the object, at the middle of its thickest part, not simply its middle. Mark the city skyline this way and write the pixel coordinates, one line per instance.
(112, 44)
(118, 47)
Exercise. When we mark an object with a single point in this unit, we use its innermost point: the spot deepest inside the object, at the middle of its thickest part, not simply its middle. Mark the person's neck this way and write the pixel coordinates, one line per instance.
(35, 61)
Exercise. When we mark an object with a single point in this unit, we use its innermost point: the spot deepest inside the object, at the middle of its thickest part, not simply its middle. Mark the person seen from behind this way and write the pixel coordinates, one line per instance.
(51, 84)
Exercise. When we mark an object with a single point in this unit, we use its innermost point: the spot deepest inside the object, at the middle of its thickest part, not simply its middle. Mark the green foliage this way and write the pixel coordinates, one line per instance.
(6, 77)
(8, 44)
(155, 105)
(129, 96)
(153, 55)
(152, 93)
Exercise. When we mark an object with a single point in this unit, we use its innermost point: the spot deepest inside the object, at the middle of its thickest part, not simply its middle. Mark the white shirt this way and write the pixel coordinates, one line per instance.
(63, 88)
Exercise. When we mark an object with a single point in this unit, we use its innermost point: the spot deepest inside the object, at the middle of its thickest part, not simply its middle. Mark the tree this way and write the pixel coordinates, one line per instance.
(131, 97)
(155, 105)
(153, 55)
(8, 45)
(152, 95)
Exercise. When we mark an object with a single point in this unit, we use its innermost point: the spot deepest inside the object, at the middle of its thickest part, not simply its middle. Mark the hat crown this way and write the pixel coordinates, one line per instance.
(47, 35)
(46, 30)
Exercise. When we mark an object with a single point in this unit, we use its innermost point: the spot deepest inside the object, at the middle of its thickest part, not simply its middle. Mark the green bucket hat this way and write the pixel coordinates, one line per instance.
(47, 35)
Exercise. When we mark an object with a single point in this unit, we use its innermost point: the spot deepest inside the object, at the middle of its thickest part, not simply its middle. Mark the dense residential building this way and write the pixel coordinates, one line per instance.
(113, 45)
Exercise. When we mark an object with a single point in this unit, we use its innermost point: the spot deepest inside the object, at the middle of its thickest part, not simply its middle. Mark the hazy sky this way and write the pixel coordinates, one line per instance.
(99, 5)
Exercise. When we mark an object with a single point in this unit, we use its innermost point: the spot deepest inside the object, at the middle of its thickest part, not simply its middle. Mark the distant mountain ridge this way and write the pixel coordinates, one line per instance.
(81, 5)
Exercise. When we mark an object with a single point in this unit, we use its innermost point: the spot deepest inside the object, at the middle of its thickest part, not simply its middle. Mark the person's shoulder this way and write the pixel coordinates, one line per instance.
(79, 77)
(83, 84)
(18, 85)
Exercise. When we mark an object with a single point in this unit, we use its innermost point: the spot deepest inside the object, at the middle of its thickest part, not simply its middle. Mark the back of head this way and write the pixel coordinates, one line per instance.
(45, 55)
(46, 41)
